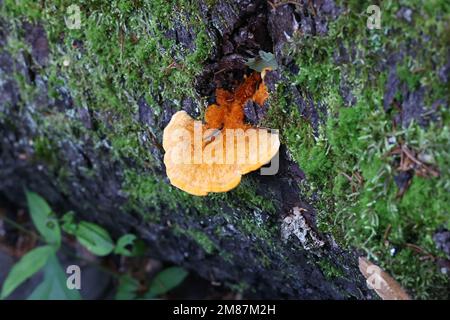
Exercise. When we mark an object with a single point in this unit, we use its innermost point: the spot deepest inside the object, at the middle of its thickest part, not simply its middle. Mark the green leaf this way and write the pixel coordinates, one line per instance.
(139, 248)
(68, 223)
(165, 281)
(43, 219)
(127, 288)
(94, 238)
(125, 241)
(263, 61)
(28, 265)
(128, 245)
(54, 286)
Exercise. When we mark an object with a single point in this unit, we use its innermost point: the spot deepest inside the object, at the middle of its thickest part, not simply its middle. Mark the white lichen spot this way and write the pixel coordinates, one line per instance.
(288, 37)
(295, 224)
(257, 214)
(295, 24)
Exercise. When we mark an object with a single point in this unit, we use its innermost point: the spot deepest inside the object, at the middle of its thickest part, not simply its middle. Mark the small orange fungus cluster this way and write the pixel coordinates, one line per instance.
(212, 157)
(228, 112)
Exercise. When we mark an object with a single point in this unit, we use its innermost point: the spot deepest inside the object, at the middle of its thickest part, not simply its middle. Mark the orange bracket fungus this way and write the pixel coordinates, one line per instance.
(212, 156)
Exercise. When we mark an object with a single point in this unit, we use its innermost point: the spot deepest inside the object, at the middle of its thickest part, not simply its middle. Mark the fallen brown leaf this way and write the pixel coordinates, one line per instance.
(380, 281)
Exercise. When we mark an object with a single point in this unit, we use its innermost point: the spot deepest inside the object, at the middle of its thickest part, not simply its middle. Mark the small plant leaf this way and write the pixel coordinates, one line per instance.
(54, 285)
(265, 60)
(127, 288)
(28, 265)
(94, 238)
(165, 281)
(130, 246)
(68, 223)
(43, 219)
(123, 244)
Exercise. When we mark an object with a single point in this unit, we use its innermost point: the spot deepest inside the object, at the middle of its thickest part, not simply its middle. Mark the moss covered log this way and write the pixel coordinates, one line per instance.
(82, 112)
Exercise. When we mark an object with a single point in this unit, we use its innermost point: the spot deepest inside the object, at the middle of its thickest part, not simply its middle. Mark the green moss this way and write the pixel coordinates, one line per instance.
(29, 8)
(45, 151)
(252, 226)
(240, 287)
(246, 193)
(426, 276)
(123, 52)
(147, 190)
(202, 240)
(348, 168)
(310, 153)
(329, 270)
(264, 258)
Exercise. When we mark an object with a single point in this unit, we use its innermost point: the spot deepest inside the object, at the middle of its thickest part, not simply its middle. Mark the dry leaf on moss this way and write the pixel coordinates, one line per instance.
(380, 281)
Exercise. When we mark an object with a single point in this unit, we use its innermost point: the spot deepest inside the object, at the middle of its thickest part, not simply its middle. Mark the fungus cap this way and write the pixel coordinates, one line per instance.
(212, 157)
(213, 173)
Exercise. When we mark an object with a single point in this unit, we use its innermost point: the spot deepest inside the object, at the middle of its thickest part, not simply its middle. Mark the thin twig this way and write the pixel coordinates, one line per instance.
(421, 251)
(387, 232)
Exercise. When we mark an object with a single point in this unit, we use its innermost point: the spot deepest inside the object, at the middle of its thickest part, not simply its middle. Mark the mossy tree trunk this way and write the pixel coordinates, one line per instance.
(82, 114)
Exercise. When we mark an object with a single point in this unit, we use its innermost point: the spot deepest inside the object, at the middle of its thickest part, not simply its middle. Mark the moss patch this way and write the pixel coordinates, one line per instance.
(329, 269)
(350, 174)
